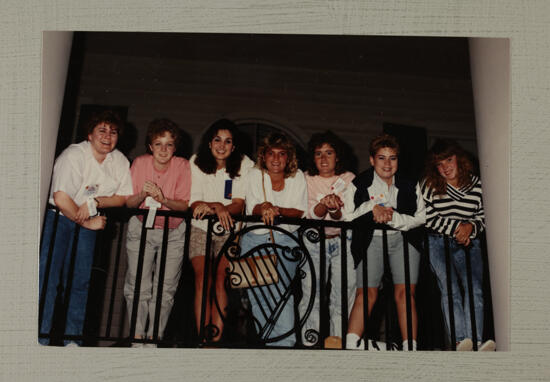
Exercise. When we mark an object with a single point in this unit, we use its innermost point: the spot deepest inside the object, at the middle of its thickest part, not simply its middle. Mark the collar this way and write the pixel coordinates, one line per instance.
(88, 148)
(380, 182)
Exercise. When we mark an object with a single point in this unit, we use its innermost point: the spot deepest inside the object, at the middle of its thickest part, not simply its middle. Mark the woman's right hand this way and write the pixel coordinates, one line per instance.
(269, 212)
(96, 223)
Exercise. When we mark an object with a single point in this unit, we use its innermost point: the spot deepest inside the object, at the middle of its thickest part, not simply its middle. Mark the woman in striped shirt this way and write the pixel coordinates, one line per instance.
(454, 212)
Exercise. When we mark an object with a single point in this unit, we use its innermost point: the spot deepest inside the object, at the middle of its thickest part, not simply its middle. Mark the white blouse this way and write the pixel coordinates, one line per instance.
(212, 187)
(293, 195)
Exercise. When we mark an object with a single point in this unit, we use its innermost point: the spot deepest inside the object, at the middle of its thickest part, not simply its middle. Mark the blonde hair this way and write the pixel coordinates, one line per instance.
(278, 141)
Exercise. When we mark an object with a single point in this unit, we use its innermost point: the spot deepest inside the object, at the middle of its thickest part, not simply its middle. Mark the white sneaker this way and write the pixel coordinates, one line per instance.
(353, 342)
(377, 345)
(72, 344)
(137, 344)
(406, 345)
(465, 345)
(488, 345)
(149, 345)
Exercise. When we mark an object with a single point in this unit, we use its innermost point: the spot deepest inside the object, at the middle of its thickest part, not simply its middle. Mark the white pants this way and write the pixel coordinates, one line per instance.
(333, 259)
(150, 274)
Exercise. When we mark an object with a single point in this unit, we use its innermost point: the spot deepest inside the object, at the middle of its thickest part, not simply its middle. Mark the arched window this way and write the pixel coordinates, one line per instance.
(255, 130)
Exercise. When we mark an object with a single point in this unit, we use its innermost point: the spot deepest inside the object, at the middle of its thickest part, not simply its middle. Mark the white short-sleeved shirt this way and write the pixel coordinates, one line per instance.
(77, 173)
(212, 187)
(293, 195)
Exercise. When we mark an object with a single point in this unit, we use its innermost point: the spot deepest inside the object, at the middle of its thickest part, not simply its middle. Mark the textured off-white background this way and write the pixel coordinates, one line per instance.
(526, 23)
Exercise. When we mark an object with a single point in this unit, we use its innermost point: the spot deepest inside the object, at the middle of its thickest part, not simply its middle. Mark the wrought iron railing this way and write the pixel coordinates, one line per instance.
(107, 323)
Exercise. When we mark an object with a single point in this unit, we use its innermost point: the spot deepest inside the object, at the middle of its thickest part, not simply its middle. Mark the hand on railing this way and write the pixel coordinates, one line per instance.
(382, 214)
(95, 223)
(463, 232)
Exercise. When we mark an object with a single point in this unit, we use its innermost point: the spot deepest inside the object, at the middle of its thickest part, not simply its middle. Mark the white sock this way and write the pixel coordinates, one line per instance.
(406, 345)
(351, 341)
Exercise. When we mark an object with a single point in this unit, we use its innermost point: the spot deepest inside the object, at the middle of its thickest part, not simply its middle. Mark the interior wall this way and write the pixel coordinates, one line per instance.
(353, 104)
(490, 68)
(56, 50)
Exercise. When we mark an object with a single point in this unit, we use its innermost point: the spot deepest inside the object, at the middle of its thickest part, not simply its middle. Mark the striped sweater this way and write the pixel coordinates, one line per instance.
(445, 212)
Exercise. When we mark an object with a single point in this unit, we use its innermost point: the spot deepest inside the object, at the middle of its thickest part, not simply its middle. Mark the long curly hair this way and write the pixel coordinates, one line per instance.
(206, 162)
(278, 141)
(441, 150)
(319, 139)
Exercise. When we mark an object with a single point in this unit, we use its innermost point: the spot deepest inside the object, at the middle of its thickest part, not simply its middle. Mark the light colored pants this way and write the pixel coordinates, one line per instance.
(150, 274)
(333, 259)
(274, 302)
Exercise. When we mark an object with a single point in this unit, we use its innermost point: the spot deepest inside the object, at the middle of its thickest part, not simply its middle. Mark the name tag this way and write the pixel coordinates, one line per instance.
(338, 186)
(227, 192)
(153, 206)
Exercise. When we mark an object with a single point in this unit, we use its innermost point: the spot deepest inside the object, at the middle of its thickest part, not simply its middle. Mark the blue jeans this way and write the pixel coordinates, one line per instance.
(274, 301)
(61, 257)
(333, 259)
(461, 309)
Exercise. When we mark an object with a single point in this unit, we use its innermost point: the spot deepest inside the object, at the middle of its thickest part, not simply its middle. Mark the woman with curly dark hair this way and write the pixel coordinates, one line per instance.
(218, 170)
(275, 187)
(454, 212)
(327, 179)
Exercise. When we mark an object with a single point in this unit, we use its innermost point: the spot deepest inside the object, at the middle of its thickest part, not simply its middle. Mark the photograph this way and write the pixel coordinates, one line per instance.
(239, 190)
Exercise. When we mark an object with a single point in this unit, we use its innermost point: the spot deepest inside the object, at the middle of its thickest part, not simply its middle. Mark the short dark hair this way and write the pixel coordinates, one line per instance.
(381, 141)
(160, 126)
(319, 139)
(107, 116)
(206, 162)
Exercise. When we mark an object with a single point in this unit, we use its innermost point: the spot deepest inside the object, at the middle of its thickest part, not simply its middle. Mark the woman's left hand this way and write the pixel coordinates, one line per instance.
(332, 202)
(269, 212)
(463, 232)
(154, 191)
(224, 216)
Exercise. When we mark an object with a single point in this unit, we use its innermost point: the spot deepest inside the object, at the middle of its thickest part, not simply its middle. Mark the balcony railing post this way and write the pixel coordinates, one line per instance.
(448, 269)
(70, 275)
(160, 285)
(323, 306)
(137, 284)
(47, 270)
(387, 280)
(344, 284)
(408, 292)
(475, 335)
(114, 282)
(205, 283)
(365, 299)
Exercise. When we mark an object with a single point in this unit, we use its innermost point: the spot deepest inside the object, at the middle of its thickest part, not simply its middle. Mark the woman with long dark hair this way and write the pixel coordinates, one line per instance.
(454, 213)
(217, 188)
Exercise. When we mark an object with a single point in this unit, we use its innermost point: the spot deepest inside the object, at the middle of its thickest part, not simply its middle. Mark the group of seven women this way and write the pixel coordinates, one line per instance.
(220, 180)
